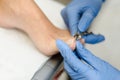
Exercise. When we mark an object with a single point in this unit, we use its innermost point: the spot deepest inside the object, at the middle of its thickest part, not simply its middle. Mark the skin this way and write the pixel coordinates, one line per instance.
(26, 16)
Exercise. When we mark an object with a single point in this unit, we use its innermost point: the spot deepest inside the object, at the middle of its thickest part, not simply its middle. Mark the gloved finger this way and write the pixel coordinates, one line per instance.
(93, 38)
(70, 57)
(68, 68)
(64, 16)
(86, 20)
(73, 22)
(87, 56)
(71, 26)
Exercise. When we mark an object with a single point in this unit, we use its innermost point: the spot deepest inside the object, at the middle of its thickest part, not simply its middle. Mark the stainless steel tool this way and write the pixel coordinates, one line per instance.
(78, 36)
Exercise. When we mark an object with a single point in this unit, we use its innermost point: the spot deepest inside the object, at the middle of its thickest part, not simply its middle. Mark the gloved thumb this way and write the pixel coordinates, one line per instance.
(93, 38)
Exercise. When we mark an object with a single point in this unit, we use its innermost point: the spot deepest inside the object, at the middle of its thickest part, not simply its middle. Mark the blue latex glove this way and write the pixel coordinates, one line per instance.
(86, 66)
(79, 14)
(93, 38)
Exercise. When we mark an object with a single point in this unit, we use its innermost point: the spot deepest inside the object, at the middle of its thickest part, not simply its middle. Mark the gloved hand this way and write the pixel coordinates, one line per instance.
(83, 65)
(79, 14)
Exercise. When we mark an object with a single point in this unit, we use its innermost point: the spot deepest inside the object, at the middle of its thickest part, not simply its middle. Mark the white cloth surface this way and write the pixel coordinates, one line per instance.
(19, 59)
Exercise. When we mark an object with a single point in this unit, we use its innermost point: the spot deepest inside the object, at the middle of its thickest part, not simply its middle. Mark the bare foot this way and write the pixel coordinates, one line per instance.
(26, 16)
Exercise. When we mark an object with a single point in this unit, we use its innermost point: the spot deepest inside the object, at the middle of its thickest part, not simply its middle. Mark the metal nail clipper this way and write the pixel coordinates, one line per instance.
(78, 36)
